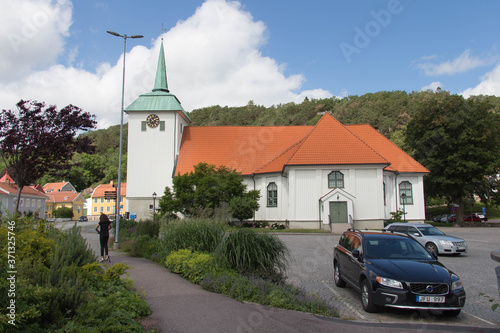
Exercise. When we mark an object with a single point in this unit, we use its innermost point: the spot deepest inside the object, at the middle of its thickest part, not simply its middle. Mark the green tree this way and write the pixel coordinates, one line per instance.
(243, 208)
(458, 141)
(202, 191)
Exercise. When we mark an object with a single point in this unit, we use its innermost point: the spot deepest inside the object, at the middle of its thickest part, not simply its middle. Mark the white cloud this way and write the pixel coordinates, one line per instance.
(489, 85)
(32, 34)
(213, 57)
(432, 86)
(461, 64)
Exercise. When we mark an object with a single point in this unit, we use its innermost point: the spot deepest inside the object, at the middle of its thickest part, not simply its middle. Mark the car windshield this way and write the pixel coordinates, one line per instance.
(397, 248)
(430, 231)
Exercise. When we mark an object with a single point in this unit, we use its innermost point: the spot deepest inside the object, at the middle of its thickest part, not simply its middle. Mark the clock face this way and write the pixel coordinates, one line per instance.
(153, 120)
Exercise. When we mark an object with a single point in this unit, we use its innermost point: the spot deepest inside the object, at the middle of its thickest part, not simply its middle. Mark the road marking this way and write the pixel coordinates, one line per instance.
(479, 318)
(349, 306)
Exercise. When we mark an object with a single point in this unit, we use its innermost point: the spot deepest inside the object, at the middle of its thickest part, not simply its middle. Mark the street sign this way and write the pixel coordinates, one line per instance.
(109, 194)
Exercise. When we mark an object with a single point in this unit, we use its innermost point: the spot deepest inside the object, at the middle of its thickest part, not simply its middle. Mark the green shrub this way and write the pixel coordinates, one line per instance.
(71, 248)
(146, 247)
(63, 212)
(194, 266)
(251, 289)
(250, 253)
(60, 287)
(148, 227)
(202, 235)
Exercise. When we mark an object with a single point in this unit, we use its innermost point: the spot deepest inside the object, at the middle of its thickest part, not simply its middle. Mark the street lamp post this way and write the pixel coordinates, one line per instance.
(403, 198)
(154, 206)
(116, 245)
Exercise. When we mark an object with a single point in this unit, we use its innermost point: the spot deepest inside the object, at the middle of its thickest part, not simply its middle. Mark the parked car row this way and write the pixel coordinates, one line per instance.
(447, 218)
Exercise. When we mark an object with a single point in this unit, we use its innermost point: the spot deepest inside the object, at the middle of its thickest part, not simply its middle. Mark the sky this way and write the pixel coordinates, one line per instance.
(227, 53)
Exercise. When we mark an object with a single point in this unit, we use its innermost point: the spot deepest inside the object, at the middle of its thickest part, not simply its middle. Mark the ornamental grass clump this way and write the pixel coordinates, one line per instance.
(251, 253)
(201, 235)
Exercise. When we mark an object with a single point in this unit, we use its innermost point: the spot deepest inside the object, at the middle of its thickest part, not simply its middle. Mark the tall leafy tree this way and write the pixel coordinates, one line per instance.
(35, 139)
(204, 190)
(457, 140)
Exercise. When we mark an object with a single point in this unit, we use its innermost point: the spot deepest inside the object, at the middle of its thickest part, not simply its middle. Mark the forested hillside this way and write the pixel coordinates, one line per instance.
(388, 112)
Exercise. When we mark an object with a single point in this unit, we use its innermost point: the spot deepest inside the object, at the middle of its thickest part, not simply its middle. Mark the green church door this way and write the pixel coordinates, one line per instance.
(338, 212)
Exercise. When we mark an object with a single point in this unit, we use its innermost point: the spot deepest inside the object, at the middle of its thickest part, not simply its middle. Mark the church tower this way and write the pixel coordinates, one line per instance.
(155, 127)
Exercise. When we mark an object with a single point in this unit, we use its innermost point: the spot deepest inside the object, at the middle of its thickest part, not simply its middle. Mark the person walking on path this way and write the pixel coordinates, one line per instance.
(103, 230)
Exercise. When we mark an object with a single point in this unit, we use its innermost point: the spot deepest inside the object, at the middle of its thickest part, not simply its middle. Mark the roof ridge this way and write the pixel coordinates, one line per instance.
(328, 117)
(392, 144)
(302, 141)
(373, 149)
(294, 145)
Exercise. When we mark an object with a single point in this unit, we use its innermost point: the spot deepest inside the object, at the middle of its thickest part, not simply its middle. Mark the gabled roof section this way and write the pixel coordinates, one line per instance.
(6, 179)
(99, 190)
(57, 187)
(63, 196)
(400, 160)
(243, 148)
(11, 189)
(330, 142)
(159, 99)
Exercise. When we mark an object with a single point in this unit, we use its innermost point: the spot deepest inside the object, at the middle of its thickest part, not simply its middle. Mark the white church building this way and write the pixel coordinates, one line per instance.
(328, 176)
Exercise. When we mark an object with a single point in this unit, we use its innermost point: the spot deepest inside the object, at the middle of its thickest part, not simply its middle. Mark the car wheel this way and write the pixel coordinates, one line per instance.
(336, 276)
(432, 248)
(451, 313)
(367, 297)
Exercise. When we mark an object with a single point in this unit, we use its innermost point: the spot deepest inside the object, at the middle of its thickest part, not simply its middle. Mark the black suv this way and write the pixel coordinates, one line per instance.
(394, 270)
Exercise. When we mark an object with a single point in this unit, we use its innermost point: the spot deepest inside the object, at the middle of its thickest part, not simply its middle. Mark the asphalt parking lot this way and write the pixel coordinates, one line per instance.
(311, 268)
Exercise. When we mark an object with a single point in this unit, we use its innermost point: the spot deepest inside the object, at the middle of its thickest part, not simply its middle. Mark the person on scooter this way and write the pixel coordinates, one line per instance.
(103, 230)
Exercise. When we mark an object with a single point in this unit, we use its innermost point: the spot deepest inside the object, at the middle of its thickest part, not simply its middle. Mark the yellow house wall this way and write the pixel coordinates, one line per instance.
(76, 205)
(99, 204)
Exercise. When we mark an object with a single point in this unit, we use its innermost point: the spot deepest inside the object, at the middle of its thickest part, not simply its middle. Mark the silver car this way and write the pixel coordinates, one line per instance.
(433, 239)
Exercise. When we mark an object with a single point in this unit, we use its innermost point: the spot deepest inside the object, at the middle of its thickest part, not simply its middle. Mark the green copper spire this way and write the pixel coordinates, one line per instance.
(161, 73)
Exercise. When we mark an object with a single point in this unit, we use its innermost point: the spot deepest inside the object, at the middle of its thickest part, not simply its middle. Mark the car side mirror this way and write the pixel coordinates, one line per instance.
(355, 253)
(434, 255)
(417, 234)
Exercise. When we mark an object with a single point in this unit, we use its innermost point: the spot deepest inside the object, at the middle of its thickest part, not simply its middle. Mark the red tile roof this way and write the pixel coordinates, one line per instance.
(99, 190)
(27, 190)
(6, 178)
(400, 161)
(250, 150)
(49, 187)
(64, 196)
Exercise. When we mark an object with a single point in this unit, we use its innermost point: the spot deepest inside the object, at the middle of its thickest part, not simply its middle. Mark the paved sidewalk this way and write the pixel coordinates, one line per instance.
(180, 306)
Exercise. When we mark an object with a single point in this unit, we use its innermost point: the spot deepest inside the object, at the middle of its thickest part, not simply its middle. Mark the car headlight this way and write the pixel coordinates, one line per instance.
(446, 242)
(389, 282)
(456, 284)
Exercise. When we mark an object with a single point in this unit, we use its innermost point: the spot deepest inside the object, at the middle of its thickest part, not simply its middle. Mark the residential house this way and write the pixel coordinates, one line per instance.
(69, 199)
(32, 200)
(59, 187)
(328, 176)
(100, 204)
